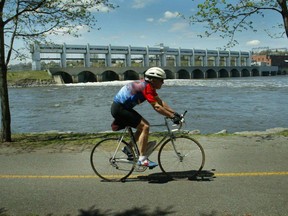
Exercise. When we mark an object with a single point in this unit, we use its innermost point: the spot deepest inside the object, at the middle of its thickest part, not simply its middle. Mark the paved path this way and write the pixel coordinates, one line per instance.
(243, 176)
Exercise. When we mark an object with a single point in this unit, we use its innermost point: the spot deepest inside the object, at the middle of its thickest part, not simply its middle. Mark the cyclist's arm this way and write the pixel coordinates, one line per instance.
(161, 107)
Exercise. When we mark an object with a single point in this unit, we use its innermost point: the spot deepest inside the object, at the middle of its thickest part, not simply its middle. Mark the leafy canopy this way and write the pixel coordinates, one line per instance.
(227, 17)
(34, 20)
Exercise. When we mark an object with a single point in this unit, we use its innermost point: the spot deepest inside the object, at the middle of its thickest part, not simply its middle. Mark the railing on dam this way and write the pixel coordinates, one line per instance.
(84, 74)
(145, 56)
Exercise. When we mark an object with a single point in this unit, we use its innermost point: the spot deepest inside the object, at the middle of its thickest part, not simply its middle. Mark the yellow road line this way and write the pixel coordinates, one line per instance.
(251, 174)
(47, 176)
(243, 174)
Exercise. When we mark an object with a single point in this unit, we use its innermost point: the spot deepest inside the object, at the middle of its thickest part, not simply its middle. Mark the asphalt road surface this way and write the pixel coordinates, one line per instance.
(242, 176)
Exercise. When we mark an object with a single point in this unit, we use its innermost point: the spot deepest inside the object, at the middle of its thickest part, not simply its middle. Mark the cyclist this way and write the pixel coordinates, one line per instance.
(135, 93)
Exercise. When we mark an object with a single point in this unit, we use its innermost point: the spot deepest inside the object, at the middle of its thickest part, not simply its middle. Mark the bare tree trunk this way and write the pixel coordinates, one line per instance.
(286, 25)
(284, 12)
(5, 109)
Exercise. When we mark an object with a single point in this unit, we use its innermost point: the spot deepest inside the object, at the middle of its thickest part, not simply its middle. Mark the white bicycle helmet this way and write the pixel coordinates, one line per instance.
(155, 72)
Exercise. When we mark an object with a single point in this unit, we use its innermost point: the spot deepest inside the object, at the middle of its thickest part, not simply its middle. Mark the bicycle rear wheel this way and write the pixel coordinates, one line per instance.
(185, 161)
(109, 162)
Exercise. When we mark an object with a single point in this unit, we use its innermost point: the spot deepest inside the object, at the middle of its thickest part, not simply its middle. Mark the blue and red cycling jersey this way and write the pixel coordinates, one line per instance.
(136, 93)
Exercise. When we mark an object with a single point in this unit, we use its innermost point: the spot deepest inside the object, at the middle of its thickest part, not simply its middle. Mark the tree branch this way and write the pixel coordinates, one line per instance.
(13, 36)
(25, 10)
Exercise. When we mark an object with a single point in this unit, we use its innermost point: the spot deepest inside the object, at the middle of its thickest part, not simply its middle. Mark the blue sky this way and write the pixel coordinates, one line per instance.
(151, 22)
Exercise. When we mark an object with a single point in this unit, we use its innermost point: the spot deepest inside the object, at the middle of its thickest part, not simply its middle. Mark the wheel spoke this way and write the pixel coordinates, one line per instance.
(108, 164)
(188, 160)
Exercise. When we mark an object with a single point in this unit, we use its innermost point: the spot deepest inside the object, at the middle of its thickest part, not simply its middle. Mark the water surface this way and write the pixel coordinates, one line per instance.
(234, 104)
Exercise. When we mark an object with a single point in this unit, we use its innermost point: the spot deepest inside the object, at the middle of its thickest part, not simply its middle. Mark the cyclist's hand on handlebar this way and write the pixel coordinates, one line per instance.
(177, 114)
(177, 118)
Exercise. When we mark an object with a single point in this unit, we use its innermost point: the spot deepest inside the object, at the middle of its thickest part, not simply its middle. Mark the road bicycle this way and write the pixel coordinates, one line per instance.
(179, 155)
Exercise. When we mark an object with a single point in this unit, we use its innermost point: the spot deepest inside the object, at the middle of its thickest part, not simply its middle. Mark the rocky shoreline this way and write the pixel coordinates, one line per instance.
(23, 83)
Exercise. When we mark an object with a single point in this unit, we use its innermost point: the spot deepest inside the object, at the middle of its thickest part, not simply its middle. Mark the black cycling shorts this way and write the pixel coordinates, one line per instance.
(125, 117)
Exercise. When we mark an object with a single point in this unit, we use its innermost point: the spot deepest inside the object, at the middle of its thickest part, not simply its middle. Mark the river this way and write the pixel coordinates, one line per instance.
(234, 104)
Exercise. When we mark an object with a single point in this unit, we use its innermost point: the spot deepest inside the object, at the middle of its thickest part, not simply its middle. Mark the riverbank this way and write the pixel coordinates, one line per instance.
(29, 79)
(79, 142)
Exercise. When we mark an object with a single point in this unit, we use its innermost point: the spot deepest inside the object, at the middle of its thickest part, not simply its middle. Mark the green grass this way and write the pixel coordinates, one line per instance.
(40, 140)
(22, 76)
(283, 133)
(47, 140)
(37, 75)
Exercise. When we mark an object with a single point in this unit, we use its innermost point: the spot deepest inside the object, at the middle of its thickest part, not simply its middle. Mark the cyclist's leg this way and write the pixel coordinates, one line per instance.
(129, 117)
(142, 134)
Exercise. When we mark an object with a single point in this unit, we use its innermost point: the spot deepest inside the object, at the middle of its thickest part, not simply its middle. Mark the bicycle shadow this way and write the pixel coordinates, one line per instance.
(160, 178)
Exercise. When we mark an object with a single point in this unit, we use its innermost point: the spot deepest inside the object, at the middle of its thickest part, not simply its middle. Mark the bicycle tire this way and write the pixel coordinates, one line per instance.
(187, 163)
(109, 169)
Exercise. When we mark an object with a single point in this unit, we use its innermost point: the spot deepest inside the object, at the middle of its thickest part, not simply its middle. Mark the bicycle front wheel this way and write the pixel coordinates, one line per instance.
(109, 162)
(181, 157)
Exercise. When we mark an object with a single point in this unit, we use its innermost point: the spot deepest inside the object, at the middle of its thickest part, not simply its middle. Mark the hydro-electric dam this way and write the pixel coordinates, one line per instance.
(108, 63)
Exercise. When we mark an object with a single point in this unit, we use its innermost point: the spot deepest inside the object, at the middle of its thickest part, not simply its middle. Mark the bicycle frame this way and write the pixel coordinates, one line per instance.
(169, 134)
(178, 154)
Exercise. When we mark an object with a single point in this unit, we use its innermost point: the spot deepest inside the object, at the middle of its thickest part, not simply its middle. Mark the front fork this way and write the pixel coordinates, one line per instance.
(179, 155)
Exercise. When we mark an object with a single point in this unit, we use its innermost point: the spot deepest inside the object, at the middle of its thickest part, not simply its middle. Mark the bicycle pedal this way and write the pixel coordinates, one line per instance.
(140, 168)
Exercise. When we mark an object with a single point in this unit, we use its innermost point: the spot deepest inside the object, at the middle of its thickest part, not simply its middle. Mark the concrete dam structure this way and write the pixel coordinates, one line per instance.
(118, 62)
(75, 75)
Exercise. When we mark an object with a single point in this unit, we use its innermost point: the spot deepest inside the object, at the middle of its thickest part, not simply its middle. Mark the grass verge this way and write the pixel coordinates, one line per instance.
(36, 75)
(77, 140)
(26, 78)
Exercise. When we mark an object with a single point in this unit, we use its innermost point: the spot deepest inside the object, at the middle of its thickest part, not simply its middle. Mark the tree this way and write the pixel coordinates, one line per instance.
(34, 20)
(227, 17)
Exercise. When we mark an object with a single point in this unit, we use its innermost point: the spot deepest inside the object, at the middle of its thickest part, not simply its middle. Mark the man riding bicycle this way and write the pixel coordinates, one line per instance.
(133, 94)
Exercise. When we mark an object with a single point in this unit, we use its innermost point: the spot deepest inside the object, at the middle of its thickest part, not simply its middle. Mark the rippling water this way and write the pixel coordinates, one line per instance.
(235, 104)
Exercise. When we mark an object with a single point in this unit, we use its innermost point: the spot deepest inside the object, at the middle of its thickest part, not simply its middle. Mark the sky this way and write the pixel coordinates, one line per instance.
(151, 22)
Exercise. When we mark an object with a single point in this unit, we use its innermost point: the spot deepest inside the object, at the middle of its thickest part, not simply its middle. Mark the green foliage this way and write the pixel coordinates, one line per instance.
(34, 20)
(227, 17)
